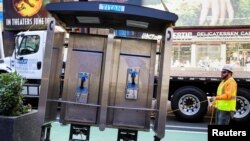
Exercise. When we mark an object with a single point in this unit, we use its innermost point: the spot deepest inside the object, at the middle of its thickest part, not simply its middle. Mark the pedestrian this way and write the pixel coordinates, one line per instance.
(225, 100)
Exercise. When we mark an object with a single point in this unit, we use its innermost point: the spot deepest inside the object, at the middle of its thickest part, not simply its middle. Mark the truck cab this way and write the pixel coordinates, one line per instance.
(27, 60)
(27, 56)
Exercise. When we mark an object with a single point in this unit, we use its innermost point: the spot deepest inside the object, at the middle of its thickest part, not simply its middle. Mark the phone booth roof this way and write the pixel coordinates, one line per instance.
(112, 15)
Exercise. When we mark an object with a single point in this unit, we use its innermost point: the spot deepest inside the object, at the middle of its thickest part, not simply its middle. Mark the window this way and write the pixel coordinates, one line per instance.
(238, 54)
(181, 56)
(208, 56)
(29, 45)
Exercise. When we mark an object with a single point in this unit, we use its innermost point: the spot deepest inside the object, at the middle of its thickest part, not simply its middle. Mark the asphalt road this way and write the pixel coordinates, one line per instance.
(175, 130)
(173, 124)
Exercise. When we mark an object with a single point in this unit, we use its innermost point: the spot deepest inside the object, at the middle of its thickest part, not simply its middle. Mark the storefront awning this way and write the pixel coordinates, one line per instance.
(112, 15)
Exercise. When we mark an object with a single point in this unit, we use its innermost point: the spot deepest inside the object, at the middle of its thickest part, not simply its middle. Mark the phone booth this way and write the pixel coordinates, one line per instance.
(82, 79)
(109, 80)
(131, 85)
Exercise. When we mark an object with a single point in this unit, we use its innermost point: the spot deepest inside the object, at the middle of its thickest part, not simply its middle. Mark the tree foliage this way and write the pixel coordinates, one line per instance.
(11, 100)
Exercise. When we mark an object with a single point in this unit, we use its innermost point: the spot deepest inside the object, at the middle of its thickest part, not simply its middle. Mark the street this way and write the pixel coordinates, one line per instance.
(175, 130)
(174, 124)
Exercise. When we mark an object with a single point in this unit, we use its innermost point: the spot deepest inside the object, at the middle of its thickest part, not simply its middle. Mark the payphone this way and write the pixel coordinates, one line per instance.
(82, 79)
(132, 83)
(109, 80)
(131, 86)
(82, 87)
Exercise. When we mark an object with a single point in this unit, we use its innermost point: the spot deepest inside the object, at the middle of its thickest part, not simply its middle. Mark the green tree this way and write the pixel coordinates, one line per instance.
(11, 100)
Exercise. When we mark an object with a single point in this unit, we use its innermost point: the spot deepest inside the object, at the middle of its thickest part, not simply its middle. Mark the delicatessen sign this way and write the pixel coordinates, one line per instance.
(212, 35)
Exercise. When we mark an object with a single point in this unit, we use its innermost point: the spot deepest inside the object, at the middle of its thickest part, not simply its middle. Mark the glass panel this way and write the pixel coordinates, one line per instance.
(212, 56)
(29, 45)
(239, 55)
(181, 56)
(208, 57)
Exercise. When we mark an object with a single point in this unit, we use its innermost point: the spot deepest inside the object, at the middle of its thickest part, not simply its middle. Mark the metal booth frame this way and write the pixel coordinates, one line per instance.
(109, 16)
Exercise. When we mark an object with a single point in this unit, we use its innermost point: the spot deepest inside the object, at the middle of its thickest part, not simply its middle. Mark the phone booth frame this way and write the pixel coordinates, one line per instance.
(111, 16)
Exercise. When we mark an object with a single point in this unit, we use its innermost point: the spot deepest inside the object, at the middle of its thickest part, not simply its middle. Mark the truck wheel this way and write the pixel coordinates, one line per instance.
(242, 113)
(2, 71)
(189, 103)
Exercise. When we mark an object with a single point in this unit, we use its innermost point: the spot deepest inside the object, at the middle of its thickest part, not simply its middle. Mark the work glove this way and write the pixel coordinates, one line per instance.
(212, 99)
(211, 103)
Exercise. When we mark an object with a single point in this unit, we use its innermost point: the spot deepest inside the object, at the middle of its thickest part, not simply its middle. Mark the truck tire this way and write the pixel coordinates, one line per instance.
(242, 113)
(3, 71)
(189, 104)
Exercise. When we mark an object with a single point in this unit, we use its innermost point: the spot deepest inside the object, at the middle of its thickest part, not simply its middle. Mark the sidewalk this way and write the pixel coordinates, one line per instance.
(61, 133)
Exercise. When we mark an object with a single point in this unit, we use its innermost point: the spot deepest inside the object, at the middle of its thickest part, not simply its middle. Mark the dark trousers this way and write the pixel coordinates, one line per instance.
(222, 117)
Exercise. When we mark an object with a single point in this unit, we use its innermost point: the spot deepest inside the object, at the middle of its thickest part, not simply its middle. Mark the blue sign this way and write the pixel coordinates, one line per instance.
(23, 61)
(1, 12)
(111, 7)
(1, 16)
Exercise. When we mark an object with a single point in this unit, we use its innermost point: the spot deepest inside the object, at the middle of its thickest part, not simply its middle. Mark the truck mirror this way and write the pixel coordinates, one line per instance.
(17, 44)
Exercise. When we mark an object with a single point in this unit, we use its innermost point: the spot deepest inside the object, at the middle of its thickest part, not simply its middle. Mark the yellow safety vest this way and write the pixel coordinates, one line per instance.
(230, 104)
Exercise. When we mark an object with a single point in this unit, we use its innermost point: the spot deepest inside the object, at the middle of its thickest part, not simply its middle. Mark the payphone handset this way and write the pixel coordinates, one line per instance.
(82, 89)
(132, 83)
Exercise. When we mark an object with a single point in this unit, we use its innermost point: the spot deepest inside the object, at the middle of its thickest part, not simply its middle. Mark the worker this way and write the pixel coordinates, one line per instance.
(225, 100)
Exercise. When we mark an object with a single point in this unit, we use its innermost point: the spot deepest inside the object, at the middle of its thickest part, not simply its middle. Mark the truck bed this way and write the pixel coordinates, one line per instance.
(203, 73)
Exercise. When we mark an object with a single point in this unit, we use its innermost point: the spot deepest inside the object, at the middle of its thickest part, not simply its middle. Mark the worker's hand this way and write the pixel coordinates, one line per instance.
(211, 100)
(211, 103)
(211, 108)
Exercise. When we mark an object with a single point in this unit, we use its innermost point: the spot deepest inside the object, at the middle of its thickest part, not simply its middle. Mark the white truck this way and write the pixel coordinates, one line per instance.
(197, 58)
(198, 55)
(27, 60)
(189, 86)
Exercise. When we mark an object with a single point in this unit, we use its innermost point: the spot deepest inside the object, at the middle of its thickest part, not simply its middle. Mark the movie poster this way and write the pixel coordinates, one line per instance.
(193, 13)
(25, 14)
(31, 14)
(210, 12)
